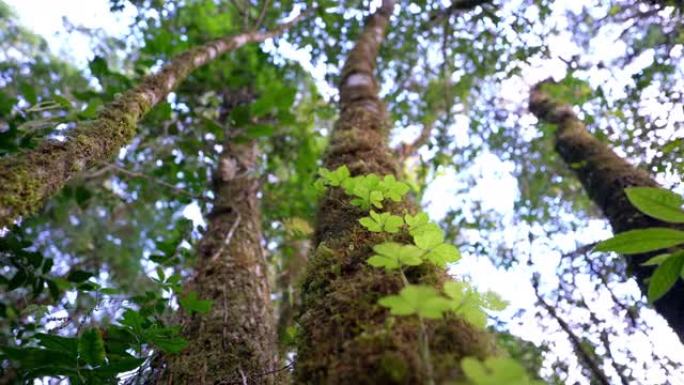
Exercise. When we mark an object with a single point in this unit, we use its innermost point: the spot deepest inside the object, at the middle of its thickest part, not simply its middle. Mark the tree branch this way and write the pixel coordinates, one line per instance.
(574, 339)
(406, 150)
(29, 178)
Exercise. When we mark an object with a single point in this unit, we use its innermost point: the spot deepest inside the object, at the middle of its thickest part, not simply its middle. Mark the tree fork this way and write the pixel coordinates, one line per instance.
(604, 176)
(346, 337)
(29, 178)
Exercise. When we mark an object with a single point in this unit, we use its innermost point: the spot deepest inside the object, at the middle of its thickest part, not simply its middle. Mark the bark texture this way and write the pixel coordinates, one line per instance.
(346, 337)
(29, 178)
(604, 176)
(235, 343)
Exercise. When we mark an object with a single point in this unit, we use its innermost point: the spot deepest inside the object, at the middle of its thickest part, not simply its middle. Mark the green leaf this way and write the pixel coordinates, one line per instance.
(416, 221)
(66, 345)
(657, 260)
(78, 276)
(166, 339)
(335, 178)
(466, 302)
(665, 276)
(91, 347)
(36, 358)
(260, 130)
(496, 371)
(115, 367)
(421, 227)
(192, 304)
(392, 255)
(429, 239)
(28, 92)
(643, 240)
(376, 198)
(370, 224)
(442, 254)
(365, 189)
(658, 203)
(62, 101)
(423, 301)
(382, 222)
(393, 189)
(493, 301)
(133, 320)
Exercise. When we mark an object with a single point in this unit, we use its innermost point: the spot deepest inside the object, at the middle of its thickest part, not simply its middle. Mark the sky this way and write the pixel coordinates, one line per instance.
(496, 186)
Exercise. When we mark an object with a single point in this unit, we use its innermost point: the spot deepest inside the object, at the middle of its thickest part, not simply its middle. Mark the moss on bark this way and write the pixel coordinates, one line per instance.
(604, 176)
(346, 337)
(31, 177)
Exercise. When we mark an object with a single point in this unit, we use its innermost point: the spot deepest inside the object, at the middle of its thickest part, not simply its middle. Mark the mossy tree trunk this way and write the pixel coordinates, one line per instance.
(346, 337)
(31, 177)
(604, 176)
(235, 343)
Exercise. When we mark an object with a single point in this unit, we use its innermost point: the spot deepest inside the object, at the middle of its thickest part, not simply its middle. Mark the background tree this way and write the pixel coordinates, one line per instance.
(605, 176)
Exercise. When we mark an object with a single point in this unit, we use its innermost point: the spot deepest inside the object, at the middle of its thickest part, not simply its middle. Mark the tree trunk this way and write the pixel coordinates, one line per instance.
(346, 337)
(29, 178)
(235, 343)
(604, 176)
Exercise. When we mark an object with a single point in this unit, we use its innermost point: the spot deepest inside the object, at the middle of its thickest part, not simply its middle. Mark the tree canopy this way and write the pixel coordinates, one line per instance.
(526, 129)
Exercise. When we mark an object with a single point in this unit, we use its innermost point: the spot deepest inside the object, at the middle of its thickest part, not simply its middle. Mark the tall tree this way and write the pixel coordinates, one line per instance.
(605, 175)
(235, 342)
(28, 179)
(346, 337)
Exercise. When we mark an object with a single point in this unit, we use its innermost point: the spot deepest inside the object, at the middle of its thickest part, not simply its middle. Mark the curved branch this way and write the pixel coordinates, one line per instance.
(29, 178)
(574, 340)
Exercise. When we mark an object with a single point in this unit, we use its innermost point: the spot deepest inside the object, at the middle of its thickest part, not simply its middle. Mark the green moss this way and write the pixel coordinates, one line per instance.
(394, 367)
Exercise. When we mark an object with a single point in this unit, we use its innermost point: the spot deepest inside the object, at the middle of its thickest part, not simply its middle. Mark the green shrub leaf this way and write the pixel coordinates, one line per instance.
(658, 203)
(665, 276)
(643, 240)
(91, 347)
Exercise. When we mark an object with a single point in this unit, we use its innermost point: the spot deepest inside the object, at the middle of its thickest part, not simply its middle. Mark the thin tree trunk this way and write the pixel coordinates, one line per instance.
(295, 258)
(31, 177)
(235, 343)
(346, 337)
(604, 176)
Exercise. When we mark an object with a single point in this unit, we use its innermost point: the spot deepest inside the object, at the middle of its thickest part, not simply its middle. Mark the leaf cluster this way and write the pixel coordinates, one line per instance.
(666, 206)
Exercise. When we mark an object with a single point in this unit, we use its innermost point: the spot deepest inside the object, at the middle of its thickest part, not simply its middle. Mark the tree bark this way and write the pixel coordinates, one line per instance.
(604, 176)
(28, 179)
(346, 337)
(235, 343)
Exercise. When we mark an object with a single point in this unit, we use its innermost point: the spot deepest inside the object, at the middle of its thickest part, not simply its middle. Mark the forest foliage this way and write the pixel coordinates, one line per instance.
(94, 284)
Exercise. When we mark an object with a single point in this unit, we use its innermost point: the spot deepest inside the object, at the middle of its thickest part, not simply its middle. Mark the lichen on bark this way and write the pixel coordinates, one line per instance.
(346, 337)
(604, 176)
